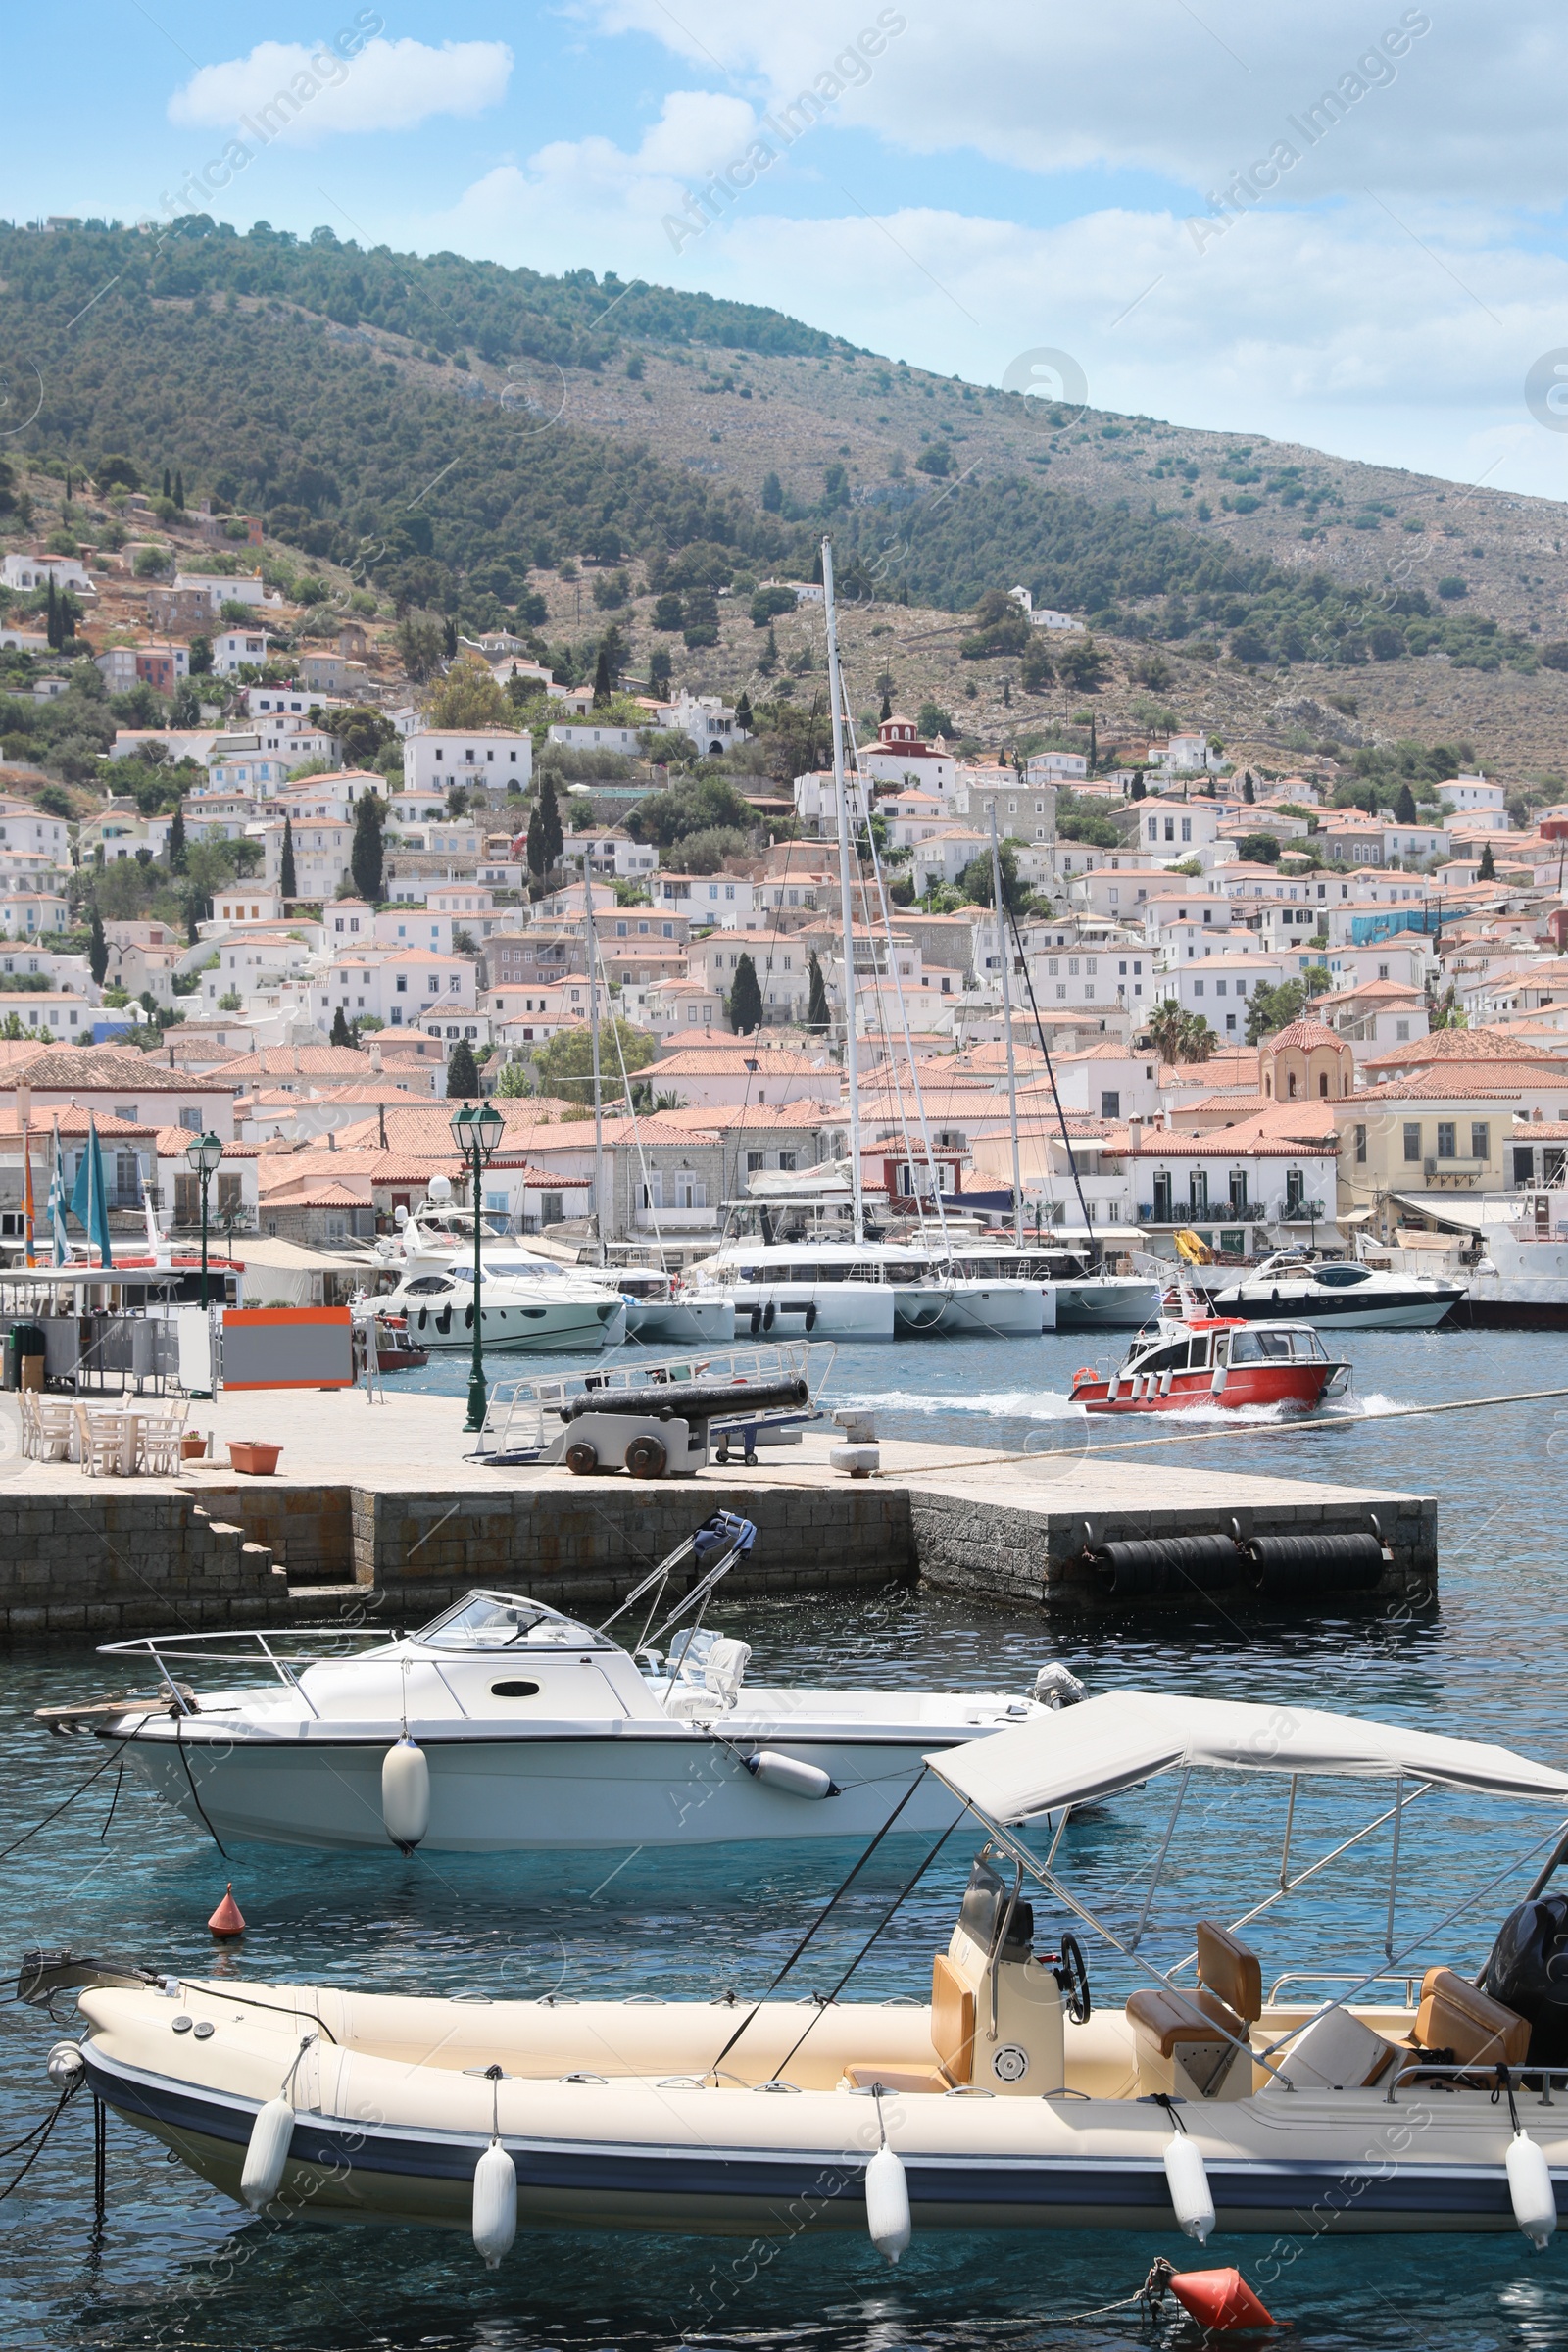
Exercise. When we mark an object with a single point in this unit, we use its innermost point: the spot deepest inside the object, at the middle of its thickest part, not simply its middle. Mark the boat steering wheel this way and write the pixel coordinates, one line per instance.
(1073, 1977)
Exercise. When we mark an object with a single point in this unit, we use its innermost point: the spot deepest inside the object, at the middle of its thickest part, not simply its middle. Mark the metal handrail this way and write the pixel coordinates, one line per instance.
(1476, 2071)
(1343, 1975)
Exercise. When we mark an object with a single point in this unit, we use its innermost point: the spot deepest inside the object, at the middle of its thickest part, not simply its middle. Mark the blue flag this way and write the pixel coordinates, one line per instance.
(89, 1204)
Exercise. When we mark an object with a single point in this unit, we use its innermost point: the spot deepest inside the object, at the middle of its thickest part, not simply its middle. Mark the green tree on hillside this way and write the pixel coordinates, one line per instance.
(367, 857)
(342, 1034)
(463, 1073)
(817, 1015)
(564, 1065)
(176, 841)
(469, 696)
(97, 948)
(287, 880)
(745, 999)
(551, 837)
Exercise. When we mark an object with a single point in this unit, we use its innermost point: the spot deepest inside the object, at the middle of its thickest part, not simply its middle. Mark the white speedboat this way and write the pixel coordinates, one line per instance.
(1294, 1287)
(535, 1731)
(1396, 2096)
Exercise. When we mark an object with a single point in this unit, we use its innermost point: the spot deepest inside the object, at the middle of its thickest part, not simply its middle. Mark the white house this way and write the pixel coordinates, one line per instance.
(401, 988)
(28, 572)
(1218, 987)
(625, 742)
(234, 647)
(22, 826)
(1474, 797)
(246, 902)
(219, 589)
(488, 759)
(26, 913)
(1056, 768)
(706, 718)
(724, 900)
(160, 667)
(611, 851)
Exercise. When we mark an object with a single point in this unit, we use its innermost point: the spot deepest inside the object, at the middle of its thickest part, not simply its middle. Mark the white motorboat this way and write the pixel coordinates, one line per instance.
(535, 1731)
(526, 1302)
(1398, 2095)
(1339, 1293)
(824, 1288)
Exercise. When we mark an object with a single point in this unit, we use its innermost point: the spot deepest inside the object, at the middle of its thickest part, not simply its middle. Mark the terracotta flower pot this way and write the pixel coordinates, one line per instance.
(259, 1460)
(192, 1446)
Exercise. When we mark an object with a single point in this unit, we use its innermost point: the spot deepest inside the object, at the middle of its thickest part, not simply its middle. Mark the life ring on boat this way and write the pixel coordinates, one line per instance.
(1073, 1977)
(1085, 1372)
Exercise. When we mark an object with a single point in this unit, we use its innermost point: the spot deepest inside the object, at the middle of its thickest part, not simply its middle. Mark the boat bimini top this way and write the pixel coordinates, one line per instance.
(1125, 1737)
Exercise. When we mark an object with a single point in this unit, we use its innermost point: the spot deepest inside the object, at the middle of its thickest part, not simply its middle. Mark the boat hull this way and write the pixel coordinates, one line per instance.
(392, 2129)
(571, 1326)
(1294, 1386)
(821, 1310)
(609, 1787)
(995, 1310)
(1419, 1313)
(680, 1323)
(1108, 1302)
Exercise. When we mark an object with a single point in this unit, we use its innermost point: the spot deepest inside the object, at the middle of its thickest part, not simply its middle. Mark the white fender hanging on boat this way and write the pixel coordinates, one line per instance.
(266, 2152)
(495, 2204)
(1187, 2176)
(1535, 2200)
(66, 2064)
(790, 1773)
(886, 2204)
(405, 1794)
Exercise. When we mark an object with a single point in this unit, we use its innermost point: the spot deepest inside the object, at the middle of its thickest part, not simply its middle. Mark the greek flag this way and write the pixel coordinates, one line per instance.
(56, 1210)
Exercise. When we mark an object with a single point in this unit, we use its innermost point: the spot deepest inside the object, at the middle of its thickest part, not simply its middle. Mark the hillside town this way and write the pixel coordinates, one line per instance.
(1269, 1017)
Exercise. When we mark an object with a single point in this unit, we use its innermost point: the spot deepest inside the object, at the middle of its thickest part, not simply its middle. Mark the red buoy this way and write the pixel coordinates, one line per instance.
(1219, 2300)
(228, 1919)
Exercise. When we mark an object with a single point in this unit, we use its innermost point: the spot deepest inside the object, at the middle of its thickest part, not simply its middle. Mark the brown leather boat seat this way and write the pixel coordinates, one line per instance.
(1168, 2019)
(952, 2017)
(1229, 1970)
(1458, 2017)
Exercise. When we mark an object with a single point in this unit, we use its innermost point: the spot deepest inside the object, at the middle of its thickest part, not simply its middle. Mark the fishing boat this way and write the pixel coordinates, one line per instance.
(504, 1727)
(1336, 1294)
(1016, 2089)
(1196, 1359)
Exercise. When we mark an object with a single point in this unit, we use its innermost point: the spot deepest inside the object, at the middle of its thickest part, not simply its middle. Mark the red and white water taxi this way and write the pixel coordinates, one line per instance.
(1216, 1360)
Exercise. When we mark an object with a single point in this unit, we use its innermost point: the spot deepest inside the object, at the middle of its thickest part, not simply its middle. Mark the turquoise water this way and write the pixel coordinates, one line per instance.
(178, 2267)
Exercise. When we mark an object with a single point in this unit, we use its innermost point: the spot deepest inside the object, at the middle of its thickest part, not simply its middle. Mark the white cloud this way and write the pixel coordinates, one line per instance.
(302, 95)
(1472, 105)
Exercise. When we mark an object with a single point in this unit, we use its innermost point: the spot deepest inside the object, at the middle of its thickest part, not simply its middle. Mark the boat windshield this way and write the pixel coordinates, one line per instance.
(1297, 1342)
(487, 1621)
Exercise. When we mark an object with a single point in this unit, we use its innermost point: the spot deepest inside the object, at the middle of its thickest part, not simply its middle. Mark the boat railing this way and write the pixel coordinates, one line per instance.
(1345, 1976)
(1477, 2074)
(206, 1648)
(523, 1413)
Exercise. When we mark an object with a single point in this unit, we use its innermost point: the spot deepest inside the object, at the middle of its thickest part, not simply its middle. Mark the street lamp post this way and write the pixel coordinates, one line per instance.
(204, 1152)
(477, 1130)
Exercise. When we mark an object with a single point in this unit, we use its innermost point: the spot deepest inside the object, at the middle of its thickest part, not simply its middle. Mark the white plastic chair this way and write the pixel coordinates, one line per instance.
(99, 1441)
(53, 1419)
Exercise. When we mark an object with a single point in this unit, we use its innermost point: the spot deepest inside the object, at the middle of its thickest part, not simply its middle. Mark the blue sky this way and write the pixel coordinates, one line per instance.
(1341, 225)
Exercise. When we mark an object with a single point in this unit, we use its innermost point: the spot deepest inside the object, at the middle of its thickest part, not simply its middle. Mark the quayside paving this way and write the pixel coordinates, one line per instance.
(375, 1515)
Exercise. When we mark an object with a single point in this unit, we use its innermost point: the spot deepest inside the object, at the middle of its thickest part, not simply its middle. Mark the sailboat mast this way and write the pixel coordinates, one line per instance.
(593, 1035)
(852, 1065)
(999, 910)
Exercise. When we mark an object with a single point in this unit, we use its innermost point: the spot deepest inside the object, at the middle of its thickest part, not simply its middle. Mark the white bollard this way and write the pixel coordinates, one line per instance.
(495, 2204)
(1187, 2176)
(886, 2204)
(1535, 2200)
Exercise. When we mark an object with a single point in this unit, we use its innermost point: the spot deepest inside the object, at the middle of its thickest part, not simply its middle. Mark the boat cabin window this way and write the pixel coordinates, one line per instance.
(1297, 1344)
(487, 1621)
(425, 1286)
(1173, 1358)
(1343, 1278)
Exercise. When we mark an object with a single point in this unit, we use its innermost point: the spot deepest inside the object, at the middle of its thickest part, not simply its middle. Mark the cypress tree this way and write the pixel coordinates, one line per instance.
(816, 1012)
(601, 685)
(745, 999)
(1404, 806)
(1487, 870)
(97, 948)
(743, 712)
(287, 880)
(179, 491)
(1249, 789)
(342, 1034)
(886, 711)
(550, 834)
(52, 619)
(449, 639)
(366, 858)
(1140, 790)
(536, 845)
(463, 1072)
(177, 842)
(168, 486)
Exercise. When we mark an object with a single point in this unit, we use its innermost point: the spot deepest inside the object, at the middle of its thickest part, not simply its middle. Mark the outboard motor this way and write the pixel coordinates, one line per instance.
(1528, 1972)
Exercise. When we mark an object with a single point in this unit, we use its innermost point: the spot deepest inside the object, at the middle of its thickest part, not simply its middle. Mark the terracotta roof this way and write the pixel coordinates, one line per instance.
(100, 1069)
(1476, 1081)
(72, 1121)
(736, 1061)
(1305, 1035)
(306, 1062)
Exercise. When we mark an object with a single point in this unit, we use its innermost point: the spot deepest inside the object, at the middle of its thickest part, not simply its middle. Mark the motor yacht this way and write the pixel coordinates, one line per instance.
(1292, 1285)
(1257, 2086)
(535, 1731)
(524, 1301)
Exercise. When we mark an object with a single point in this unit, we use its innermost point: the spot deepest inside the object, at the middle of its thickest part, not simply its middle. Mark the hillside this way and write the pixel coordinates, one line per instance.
(445, 433)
